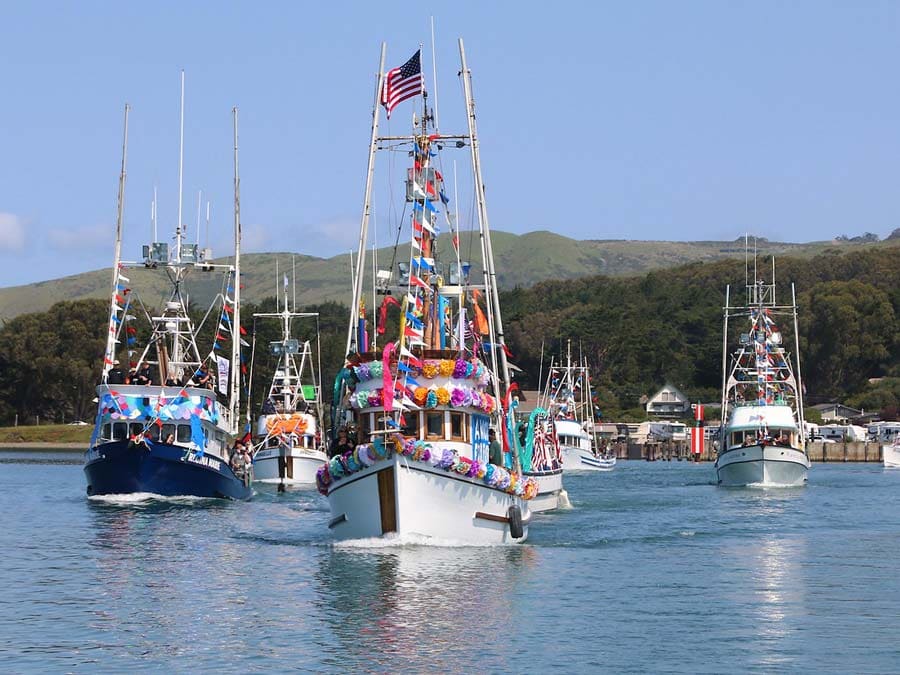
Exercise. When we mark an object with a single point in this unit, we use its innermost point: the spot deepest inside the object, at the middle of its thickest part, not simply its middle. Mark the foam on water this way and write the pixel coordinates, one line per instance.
(146, 497)
(394, 540)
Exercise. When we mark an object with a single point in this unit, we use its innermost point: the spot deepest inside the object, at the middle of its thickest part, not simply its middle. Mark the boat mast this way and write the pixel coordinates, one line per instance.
(117, 256)
(482, 215)
(799, 393)
(180, 175)
(367, 203)
(725, 355)
(234, 394)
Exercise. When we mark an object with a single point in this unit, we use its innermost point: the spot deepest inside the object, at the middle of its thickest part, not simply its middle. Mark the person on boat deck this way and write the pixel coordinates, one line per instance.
(144, 375)
(116, 375)
(341, 444)
(268, 407)
(203, 378)
(495, 452)
(238, 461)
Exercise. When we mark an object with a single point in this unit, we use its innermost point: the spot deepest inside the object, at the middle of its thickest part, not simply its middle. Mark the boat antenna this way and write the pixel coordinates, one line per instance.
(367, 204)
(199, 214)
(117, 255)
(434, 80)
(294, 281)
(234, 394)
(277, 300)
(153, 214)
(207, 224)
(178, 230)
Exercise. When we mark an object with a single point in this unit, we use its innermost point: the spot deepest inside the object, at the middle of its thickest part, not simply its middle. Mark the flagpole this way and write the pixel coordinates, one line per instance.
(367, 203)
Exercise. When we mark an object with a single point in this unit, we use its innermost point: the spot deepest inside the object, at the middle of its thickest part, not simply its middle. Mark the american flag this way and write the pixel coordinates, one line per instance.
(402, 83)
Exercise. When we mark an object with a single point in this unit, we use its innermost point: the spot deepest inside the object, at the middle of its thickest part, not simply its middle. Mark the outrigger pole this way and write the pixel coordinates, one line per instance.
(367, 204)
(482, 215)
(120, 212)
(725, 355)
(234, 394)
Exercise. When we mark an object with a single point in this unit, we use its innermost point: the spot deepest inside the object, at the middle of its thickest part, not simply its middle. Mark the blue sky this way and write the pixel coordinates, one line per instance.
(639, 120)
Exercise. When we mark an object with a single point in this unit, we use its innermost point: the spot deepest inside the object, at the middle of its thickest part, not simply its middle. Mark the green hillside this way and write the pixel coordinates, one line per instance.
(521, 260)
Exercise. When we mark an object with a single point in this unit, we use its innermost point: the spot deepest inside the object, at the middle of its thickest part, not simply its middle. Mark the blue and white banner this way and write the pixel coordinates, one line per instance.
(481, 443)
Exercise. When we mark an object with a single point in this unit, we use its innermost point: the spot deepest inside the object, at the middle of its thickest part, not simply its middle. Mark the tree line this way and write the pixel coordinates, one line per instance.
(637, 333)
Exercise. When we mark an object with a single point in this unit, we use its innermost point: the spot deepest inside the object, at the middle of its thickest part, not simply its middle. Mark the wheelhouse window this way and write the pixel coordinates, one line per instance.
(365, 427)
(120, 431)
(434, 424)
(457, 426)
(135, 429)
(411, 424)
(184, 433)
(168, 433)
(105, 432)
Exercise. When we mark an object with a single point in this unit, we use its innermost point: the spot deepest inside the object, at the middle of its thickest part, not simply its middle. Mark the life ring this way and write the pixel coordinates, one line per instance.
(516, 530)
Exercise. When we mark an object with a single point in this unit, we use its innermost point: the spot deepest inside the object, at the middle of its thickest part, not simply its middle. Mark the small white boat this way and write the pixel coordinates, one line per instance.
(542, 462)
(762, 439)
(288, 447)
(889, 438)
(567, 397)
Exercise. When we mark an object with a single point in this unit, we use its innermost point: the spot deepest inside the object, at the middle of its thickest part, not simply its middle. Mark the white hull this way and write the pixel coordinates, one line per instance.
(578, 459)
(890, 455)
(769, 466)
(287, 466)
(413, 498)
(549, 487)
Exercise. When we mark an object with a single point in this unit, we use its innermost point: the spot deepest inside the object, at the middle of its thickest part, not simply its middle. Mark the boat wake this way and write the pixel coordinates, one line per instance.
(133, 498)
(412, 540)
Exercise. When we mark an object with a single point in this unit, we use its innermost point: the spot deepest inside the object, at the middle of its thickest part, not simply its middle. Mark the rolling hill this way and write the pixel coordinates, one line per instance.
(521, 260)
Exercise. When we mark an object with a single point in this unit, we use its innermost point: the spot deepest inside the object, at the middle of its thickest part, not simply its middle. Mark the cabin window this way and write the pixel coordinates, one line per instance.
(105, 432)
(120, 431)
(434, 424)
(152, 432)
(135, 429)
(184, 433)
(410, 424)
(168, 433)
(457, 428)
(365, 427)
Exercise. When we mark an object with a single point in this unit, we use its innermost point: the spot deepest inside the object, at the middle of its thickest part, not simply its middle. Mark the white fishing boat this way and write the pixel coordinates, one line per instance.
(762, 439)
(167, 428)
(287, 445)
(420, 407)
(567, 396)
(889, 439)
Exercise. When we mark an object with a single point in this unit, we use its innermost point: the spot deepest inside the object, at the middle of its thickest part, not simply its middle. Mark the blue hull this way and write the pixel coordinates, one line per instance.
(121, 467)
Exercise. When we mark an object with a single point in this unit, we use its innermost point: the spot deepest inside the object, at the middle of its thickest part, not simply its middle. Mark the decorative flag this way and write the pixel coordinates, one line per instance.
(223, 366)
(402, 83)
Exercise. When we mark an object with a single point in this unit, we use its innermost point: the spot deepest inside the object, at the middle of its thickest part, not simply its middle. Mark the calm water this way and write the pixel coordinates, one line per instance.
(654, 569)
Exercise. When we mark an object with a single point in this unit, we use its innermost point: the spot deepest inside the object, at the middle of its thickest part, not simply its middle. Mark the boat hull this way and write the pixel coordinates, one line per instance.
(402, 497)
(769, 466)
(890, 455)
(287, 466)
(578, 459)
(549, 487)
(121, 467)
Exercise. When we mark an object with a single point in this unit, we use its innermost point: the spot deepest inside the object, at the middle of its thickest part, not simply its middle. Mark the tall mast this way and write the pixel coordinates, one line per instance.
(117, 256)
(367, 203)
(180, 174)
(482, 214)
(725, 354)
(799, 394)
(234, 394)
